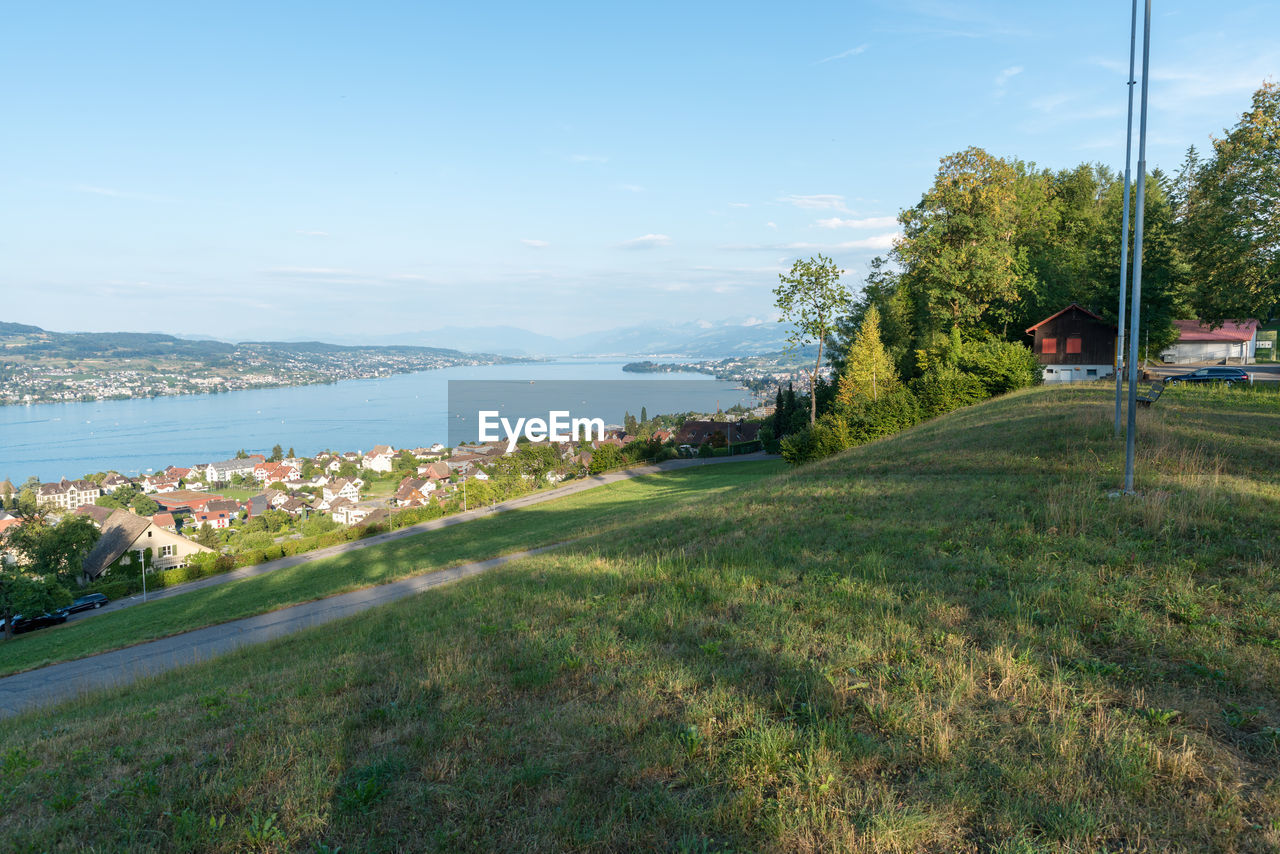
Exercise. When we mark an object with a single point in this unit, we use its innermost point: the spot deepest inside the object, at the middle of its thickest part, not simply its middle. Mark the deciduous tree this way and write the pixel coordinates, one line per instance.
(810, 298)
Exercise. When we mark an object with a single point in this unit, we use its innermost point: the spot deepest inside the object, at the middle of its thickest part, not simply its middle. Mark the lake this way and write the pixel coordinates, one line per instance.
(55, 440)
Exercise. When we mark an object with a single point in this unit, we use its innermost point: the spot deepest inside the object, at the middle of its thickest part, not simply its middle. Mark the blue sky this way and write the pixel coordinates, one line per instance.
(276, 170)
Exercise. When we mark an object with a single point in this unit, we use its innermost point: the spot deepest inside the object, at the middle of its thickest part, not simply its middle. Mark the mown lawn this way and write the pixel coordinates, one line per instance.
(593, 511)
(950, 640)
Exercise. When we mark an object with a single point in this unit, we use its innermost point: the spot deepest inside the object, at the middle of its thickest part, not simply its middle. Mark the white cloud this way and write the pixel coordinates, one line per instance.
(647, 241)
(588, 158)
(819, 201)
(771, 224)
(536, 244)
(739, 204)
(853, 51)
(1003, 78)
(309, 233)
(869, 222)
(878, 241)
(631, 188)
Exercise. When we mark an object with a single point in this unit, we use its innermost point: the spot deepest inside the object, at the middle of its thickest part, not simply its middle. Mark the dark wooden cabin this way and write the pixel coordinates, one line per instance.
(1075, 341)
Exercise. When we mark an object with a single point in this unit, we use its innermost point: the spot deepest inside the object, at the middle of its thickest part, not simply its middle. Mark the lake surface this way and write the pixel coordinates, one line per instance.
(54, 440)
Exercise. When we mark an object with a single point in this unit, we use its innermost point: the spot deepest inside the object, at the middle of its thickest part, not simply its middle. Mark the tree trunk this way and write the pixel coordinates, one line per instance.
(813, 388)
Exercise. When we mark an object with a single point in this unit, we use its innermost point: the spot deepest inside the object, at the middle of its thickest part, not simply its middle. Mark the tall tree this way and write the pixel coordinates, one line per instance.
(54, 552)
(868, 370)
(1232, 227)
(811, 297)
(958, 249)
(881, 289)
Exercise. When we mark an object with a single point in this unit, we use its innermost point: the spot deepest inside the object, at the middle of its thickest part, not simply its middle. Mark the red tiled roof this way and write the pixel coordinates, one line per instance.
(1232, 330)
(1076, 306)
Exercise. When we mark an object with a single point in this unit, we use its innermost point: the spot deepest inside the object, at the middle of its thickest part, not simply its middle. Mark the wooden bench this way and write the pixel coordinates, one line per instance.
(1152, 395)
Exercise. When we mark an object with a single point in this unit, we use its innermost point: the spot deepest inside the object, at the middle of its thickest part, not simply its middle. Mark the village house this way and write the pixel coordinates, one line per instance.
(113, 481)
(98, 515)
(185, 499)
(697, 433)
(7, 523)
(380, 459)
(348, 489)
(1073, 345)
(69, 494)
(1235, 342)
(217, 519)
(273, 472)
(166, 521)
(348, 513)
(294, 506)
(435, 471)
(227, 469)
(413, 492)
(128, 539)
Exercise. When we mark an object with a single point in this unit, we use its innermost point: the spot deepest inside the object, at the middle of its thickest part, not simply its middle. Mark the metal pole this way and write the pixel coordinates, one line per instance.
(1135, 301)
(1124, 222)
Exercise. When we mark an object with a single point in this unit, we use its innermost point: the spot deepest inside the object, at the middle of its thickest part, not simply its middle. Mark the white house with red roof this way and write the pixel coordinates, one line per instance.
(380, 459)
(1234, 342)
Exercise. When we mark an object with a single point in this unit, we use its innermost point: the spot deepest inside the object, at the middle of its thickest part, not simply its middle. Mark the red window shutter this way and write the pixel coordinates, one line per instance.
(1073, 344)
(1048, 345)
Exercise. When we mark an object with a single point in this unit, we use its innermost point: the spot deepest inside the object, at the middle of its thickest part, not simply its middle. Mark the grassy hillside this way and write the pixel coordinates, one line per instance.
(950, 640)
(594, 511)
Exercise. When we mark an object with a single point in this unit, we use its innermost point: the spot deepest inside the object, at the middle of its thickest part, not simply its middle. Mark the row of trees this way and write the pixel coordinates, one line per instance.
(996, 245)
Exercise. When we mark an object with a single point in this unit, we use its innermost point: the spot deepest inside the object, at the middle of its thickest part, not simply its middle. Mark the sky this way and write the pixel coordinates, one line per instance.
(346, 171)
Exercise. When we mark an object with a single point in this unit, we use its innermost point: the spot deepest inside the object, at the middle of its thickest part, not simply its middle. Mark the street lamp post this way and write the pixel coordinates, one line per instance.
(1135, 300)
(1124, 221)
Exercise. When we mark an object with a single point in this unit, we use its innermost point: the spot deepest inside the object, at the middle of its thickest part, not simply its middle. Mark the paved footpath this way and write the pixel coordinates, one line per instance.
(69, 679)
(529, 500)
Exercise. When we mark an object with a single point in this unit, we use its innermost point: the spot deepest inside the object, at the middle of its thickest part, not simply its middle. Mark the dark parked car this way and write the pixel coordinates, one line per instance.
(1211, 375)
(84, 603)
(29, 624)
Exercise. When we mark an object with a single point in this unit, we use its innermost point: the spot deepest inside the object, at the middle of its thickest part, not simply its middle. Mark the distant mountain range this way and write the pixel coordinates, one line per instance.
(695, 340)
(689, 340)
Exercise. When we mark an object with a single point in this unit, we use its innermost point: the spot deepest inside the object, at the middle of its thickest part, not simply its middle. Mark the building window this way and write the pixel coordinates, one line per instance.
(166, 551)
(1073, 344)
(1093, 372)
(1048, 345)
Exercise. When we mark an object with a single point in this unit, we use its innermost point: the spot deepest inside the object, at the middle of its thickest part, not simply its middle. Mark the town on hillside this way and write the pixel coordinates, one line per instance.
(255, 507)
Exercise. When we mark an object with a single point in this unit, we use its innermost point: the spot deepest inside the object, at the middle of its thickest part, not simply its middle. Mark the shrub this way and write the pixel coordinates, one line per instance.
(1000, 366)
(944, 388)
(884, 416)
(769, 440)
(117, 589)
(830, 435)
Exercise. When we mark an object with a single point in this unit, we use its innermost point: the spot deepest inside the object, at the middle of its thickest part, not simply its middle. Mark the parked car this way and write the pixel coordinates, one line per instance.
(86, 602)
(29, 624)
(1229, 376)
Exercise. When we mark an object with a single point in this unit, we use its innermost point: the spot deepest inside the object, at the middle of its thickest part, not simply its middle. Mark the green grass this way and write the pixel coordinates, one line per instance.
(239, 493)
(593, 511)
(949, 640)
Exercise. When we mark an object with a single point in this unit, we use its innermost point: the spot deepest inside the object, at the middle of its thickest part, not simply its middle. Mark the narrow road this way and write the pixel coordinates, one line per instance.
(69, 679)
(60, 682)
(420, 528)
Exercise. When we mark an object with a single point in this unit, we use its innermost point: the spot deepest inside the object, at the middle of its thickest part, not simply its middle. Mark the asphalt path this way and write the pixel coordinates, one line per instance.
(70, 679)
(1260, 373)
(575, 486)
